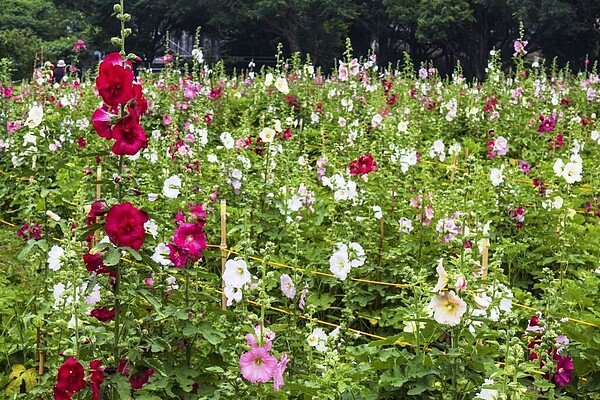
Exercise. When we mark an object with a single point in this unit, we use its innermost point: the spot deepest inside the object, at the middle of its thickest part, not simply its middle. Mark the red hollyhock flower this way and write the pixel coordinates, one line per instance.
(125, 225)
(130, 136)
(115, 81)
(93, 263)
(363, 165)
(96, 378)
(191, 238)
(96, 210)
(62, 394)
(70, 378)
(101, 120)
(140, 380)
(103, 314)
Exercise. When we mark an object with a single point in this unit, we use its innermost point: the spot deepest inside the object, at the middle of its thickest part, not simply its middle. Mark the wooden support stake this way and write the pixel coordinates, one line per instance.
(96, 237)
(454, 162)
(223, 251)
(485, 259)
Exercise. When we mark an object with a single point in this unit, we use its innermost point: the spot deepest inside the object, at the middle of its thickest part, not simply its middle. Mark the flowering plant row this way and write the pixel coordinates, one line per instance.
(376, 233)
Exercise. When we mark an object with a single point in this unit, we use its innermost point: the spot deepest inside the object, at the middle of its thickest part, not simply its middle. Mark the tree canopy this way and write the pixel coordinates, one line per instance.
(443, 32)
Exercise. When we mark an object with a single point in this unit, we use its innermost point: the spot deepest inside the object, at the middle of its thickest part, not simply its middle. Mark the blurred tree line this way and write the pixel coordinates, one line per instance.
(441, 31)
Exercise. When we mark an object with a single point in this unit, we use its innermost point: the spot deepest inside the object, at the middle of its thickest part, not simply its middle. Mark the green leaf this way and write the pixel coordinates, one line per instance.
(212, 335)
(112, 257)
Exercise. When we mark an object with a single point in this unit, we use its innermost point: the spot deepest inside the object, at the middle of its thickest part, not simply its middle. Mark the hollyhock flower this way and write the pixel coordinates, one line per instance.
(54, 257)
(94, 263)
(497, 176)
(171, 187)
(236, 273)
(115, 81)
(258, 365)
(442, 277)
(13, 126)
(317, 339)
(342, 72)
(267, 135)
(79, 46)
(130, 136)
(525, 167)
(287, 286)
(125, 225)
(547, 123)
(339, 264)
(564, 370)
(191, 238)
(534, 325)
(232, 294)
(520, 47)
(197, 212)
(278, 372)
(35, 116)
(103, 314)
(572, 172)
(487, 394)
(96, 378)
(363, 165)
(281, 84)
(501, 145)
(405, 225)
(70, 377)
(139, 380)
(448, 308)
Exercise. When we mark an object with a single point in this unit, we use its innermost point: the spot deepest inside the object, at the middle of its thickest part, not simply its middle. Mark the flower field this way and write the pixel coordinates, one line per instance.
(379, 233)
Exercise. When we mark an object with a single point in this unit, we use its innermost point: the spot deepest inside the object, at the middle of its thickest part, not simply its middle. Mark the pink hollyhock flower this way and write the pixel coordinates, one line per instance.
(442, 277)
(287, 286)
(101, 121)
(520, 47)
(13, 126)
(278, 372)
(448, 308)
(302, 301)
(258, 365)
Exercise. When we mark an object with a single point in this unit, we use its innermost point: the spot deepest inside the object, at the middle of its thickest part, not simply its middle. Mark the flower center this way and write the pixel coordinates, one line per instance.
(258, 361)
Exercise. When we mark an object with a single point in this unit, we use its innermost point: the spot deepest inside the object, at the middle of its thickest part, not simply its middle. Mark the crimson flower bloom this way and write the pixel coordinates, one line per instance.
(70, 379)
(101, 121)
(137, 381)
(125, 225)
(103, 314)
(115, 81)
(129, 134)
(96, 378)
(363, 165)
(94, 263)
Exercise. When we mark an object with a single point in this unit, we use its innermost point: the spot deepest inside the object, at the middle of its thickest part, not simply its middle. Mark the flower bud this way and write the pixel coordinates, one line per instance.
(117, 8)
(116, 41)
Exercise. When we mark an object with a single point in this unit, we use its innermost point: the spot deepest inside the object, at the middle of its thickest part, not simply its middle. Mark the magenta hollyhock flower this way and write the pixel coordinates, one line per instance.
(191, 238)
(278, 372)
(177, 255)
(564, 370)
(547, 124)
(258, 365)
(129, 134)
(525, 167)
(101, 121)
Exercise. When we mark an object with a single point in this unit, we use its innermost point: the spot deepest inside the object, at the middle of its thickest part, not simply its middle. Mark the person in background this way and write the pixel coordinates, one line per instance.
(59, 71)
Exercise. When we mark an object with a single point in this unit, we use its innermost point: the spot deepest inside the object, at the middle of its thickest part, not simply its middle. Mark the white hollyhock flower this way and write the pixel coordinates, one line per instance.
(442, 276)
(36, 114)
(572, 172)
(232, 294)
(236, 273)
(54, 257)
(161, 254)
(267, 135)
(497, 176)
(227, 140)
(282, 85)
(339, 264)
(171, 187)
(268, 79)
(317, 339)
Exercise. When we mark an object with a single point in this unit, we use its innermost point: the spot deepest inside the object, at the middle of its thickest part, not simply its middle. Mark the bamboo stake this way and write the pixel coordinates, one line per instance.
(454, 162)
(223, 250)
(96, 237)
(485, 259)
